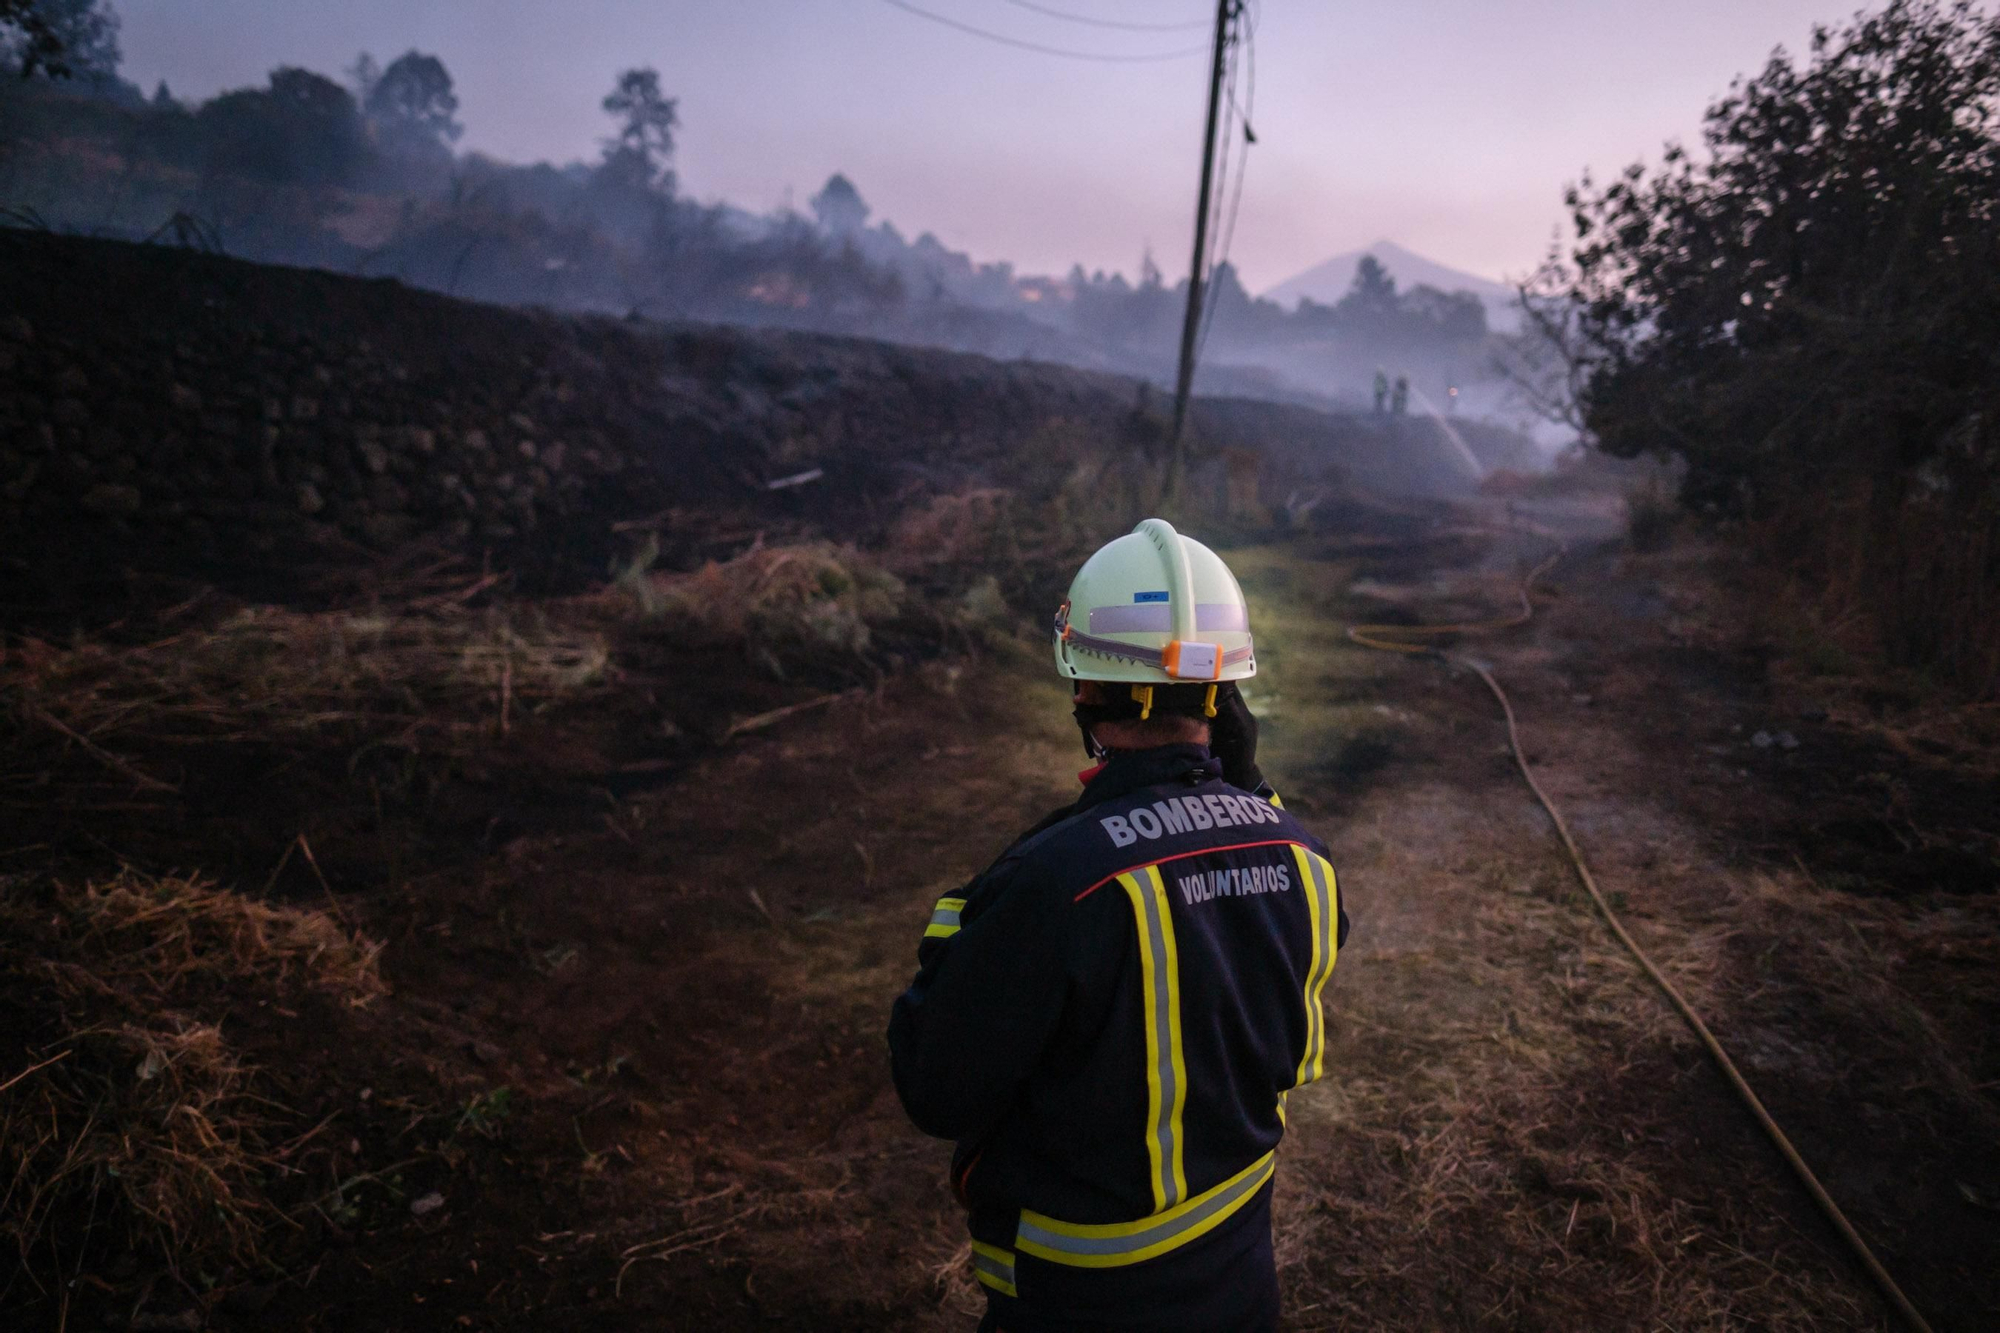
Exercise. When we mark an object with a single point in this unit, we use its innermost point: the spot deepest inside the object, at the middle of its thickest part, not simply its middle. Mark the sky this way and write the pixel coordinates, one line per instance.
(1448, 126)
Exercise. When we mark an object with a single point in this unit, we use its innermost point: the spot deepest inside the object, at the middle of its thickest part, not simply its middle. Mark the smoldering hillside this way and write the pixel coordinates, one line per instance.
(169, 412)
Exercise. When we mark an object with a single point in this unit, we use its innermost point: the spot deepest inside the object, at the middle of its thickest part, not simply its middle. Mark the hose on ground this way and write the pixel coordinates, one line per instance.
(1409, 640)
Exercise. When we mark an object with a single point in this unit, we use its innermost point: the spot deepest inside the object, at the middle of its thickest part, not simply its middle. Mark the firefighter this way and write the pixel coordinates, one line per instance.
(1381, 391)
(1399, 401)
(1109, 1019)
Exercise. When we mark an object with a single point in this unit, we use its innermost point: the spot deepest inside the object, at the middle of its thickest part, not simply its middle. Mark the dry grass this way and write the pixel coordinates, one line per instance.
(137, 1117)
(813, 596)
(1493, 1150)
(1914, 582)
(275, 676)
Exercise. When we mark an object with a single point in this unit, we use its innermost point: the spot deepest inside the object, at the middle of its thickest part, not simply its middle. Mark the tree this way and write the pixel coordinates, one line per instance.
(303, 129)
(412, 107)
(1821, 289)
(1805, 315)
(637, 156)
(1459, 316)
(839, 206)
(1371, 298)
(71, 39)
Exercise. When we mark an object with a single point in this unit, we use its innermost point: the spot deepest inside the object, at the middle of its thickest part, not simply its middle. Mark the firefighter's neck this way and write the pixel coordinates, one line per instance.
(1151, 734)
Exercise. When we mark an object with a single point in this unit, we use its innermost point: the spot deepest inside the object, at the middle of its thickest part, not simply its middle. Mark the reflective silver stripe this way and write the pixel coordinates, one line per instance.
(944, 918)
(1144, 656)
(1061, 1243)
(994, 1267)
(1146, 618)
(1218, 616)
(1158, 618)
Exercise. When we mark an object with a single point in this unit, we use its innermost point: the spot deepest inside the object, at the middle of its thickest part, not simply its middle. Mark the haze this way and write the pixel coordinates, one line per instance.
(1450, 126)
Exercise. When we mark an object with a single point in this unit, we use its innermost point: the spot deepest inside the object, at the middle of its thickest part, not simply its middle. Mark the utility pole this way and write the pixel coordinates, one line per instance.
(1225, 10)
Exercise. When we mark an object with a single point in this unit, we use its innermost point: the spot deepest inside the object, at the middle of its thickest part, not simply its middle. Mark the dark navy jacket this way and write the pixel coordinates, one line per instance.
(1106, 1022)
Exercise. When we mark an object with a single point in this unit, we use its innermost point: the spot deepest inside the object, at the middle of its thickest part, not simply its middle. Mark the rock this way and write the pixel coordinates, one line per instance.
(475, 441)
(522, 422)
(423, 441)
(1787, 741)
(310, 500)
(526, 448)
(184, 399)
(374, 455)
(430, 1203)
(552, 457)
(111, 501)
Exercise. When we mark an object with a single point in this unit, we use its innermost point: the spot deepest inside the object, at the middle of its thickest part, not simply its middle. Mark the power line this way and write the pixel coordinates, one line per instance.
(1068, 17)
(1239, 113)
(1037, 47)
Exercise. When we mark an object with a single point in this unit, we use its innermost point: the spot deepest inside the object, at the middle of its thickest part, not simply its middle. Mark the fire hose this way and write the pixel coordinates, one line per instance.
(1412, 640)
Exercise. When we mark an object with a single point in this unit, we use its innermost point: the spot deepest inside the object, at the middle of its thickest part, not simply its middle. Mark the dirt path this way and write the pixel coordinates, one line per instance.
(686, 1000)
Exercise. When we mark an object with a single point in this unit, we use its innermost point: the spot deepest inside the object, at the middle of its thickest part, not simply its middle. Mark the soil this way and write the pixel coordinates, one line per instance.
(635, 1036)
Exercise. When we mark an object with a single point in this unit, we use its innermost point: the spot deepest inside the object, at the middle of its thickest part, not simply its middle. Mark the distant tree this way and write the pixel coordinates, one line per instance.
(363, 75)
(71, 39)
(28, 44)
(163, 96)
(303, 129)
(1371, 298)
(839, 206)
(638, 155)
(1455, 315)
(412, 107)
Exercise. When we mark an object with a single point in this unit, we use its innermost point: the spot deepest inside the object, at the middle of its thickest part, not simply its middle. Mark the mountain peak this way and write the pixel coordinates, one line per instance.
(1329, 280)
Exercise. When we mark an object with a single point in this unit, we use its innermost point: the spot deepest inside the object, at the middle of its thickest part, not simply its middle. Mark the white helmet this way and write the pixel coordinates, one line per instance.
(1154, 608)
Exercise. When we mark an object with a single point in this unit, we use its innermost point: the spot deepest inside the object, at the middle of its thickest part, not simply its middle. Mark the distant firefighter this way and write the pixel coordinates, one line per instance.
(1381, 390)
(1401, 402)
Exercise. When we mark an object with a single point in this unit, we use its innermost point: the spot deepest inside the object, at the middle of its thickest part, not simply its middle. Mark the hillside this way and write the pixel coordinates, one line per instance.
(176, 413)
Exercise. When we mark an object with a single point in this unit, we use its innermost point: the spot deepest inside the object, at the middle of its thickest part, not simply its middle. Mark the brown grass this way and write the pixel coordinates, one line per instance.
(1914, 583)
(141, 1120)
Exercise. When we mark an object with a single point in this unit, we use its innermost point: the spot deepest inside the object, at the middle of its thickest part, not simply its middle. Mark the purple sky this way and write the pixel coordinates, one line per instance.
(1449, 126)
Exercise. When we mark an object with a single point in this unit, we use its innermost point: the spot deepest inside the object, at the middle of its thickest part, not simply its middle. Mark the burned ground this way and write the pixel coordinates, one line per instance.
(629, 1061)
(526, 947)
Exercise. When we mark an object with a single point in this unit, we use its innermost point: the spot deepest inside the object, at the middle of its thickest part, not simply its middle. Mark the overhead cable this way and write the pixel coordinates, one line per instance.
(1068, 17)
(1038, 47)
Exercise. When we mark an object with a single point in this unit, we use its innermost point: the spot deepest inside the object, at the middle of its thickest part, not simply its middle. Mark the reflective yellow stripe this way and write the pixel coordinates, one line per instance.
(1115, 1244)
(944, 918)
(1322, 905)
(1330, 946)
(1166, 1066)
(1313, 1015)
(994, 1267)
